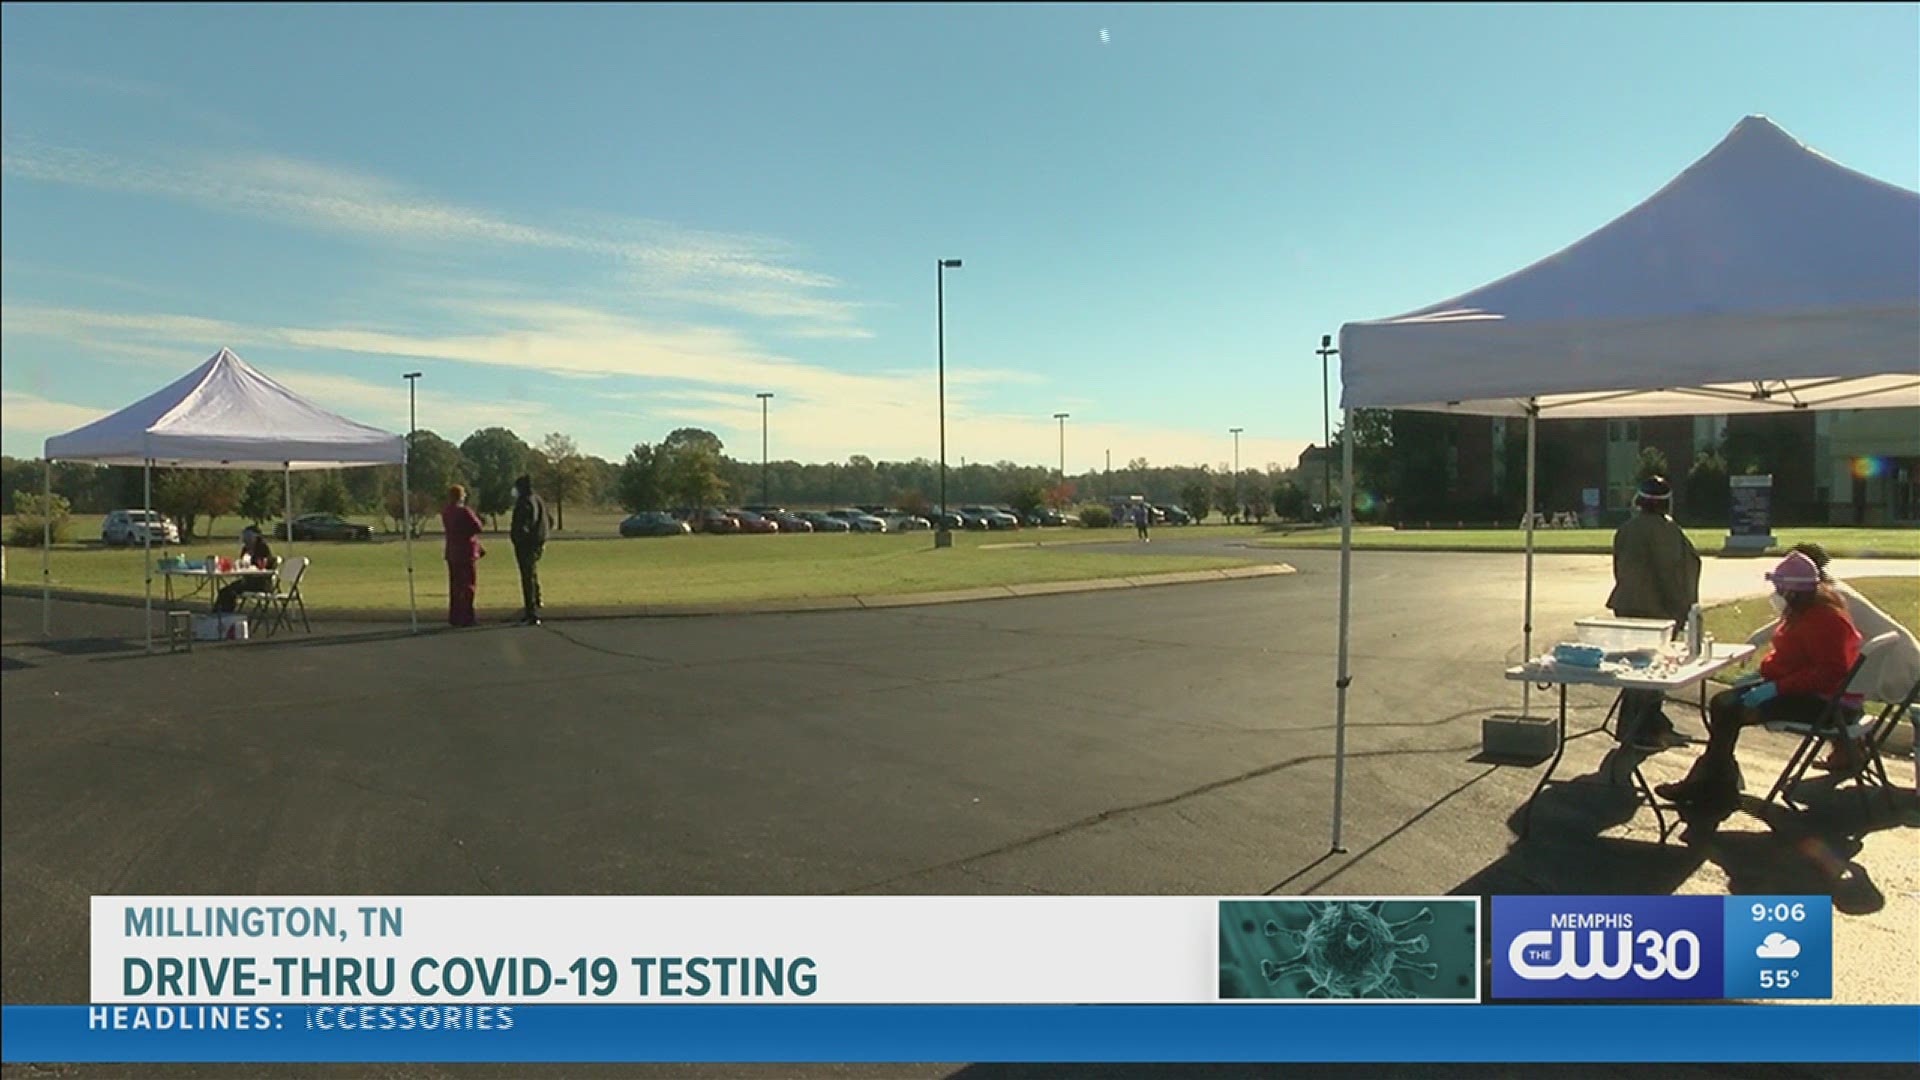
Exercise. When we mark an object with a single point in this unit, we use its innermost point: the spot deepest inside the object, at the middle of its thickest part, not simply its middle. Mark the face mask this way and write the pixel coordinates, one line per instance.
(1779, 602)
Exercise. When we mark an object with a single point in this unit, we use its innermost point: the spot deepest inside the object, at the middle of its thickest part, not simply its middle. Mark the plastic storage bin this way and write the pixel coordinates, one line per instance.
(1621, 635)
(220, 628)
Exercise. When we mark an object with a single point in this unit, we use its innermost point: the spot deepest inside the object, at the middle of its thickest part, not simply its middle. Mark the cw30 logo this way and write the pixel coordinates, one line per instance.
(1545, 955)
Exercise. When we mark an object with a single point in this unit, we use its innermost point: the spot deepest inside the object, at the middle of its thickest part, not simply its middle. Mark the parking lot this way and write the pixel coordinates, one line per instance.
(1172, 740)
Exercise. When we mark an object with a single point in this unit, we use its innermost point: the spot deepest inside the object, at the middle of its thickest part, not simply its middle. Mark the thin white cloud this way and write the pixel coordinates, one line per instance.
(742, 274)
(30, 414)
(702, 376)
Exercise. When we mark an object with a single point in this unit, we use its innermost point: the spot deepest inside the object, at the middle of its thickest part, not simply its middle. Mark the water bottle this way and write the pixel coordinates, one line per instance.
(1695, 629)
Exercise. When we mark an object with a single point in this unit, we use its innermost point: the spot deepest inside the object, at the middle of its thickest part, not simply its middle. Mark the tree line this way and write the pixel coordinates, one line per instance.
(688, 467)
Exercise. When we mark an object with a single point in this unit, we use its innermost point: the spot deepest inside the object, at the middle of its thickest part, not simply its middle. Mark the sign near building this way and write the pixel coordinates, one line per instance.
(1752, 526)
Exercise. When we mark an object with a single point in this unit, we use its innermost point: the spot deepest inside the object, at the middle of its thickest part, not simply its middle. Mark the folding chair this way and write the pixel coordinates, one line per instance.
(1839, 720)
(1889, 719)
(276, 607)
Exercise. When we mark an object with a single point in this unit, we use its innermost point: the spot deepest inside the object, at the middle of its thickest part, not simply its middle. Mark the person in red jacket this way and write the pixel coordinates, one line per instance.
(462, 527)
(1814, 650)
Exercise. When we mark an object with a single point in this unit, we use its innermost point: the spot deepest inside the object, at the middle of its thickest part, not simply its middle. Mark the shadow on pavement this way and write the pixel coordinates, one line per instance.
(1801, 852)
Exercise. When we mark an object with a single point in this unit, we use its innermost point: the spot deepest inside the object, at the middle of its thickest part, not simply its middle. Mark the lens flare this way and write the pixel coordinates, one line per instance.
(1867, 468)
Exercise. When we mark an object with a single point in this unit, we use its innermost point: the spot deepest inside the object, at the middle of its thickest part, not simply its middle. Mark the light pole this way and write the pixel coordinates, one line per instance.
(406, 500)
(1062, 417)
(410, 376)
(764, 398)
(1326, 350)
(1235, 508)
(944, 536)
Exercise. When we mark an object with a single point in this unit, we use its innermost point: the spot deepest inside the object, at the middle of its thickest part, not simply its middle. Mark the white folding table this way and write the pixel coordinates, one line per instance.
(1679, 677)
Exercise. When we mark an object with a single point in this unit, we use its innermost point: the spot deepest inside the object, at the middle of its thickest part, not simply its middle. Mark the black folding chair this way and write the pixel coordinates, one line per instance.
(276, 608)
(1839, 724)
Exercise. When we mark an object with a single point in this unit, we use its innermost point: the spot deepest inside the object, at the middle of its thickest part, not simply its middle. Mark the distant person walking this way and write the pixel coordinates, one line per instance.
(462, 527)
(1656, 575)
(1141, 518)
(529, 533)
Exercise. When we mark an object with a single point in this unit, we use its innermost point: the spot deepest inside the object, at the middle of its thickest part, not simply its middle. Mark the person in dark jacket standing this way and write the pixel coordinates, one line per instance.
(1656, 575)
(529, 532)
(462, 528)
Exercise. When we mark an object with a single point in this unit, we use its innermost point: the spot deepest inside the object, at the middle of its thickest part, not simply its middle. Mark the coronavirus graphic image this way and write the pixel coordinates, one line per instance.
(1347, 949)
(1350, 950)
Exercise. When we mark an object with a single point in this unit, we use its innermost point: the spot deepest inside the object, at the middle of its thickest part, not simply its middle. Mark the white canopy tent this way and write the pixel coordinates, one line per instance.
(1765, 277)
(223, 415)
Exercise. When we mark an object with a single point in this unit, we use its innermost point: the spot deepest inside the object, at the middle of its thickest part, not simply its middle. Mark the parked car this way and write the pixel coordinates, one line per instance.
(882, 512)
(765, 511)
(134, 527)
(1046, 518)
(898, 522)
(995, 518)
(788, 522)
(948, 520)
(323, 527)
(714, 521)
(751, 522)
(824, 523)
(859, 520)
(973, 519)
(654, 523)
(1173, 515)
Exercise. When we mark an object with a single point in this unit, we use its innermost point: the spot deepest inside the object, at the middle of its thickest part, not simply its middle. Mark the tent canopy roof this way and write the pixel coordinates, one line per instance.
(226, 415)
(1765, 276)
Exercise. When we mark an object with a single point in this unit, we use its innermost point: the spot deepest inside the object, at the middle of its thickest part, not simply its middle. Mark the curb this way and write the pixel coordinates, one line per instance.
(796, 605)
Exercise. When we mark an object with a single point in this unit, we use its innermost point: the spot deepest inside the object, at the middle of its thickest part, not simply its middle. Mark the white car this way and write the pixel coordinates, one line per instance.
(907, 523)
(859, 520)
(133, 526)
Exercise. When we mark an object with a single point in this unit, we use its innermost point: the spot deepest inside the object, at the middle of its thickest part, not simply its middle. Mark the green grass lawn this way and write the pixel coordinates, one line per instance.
(1733, 622)
(1840, 543)
(602, 573)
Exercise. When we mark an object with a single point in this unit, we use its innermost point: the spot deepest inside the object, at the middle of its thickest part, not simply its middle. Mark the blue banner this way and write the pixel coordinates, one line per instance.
(978, 1033)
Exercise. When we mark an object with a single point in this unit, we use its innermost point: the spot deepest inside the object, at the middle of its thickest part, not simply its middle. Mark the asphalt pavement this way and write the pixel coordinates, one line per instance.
(1174, 740)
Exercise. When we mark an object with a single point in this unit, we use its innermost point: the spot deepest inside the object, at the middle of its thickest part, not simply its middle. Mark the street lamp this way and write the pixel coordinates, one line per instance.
(1235, 508)
(1062, 417)
(410, 376)
(406, 500)
(764, 398)
(1325, 350)
(943, 537)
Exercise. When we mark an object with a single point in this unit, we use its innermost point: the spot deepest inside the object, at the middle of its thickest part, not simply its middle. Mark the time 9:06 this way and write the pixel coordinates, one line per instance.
(1780, 913)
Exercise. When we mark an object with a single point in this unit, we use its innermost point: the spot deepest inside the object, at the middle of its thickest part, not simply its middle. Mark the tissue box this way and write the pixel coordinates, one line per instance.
(1522, 738)
(1623, 635)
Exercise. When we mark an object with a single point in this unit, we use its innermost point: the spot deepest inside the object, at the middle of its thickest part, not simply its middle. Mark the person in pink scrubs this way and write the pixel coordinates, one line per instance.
(462, 527)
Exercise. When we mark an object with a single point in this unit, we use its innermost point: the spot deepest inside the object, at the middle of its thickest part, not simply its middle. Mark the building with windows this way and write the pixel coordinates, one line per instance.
(1830, 467)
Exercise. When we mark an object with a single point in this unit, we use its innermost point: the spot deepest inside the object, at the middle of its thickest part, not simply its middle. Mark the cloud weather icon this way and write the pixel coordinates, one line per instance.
(1777, 947)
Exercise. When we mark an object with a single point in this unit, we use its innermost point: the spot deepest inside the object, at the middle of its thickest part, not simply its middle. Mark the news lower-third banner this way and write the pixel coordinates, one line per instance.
(893, 950)
(619, 979)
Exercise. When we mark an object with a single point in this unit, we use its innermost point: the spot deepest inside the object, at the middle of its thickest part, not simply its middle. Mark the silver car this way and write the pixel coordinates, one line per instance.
(123, 527)
(859, 520)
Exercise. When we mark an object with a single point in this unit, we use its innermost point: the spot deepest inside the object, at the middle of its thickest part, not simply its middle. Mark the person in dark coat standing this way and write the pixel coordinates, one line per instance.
(1656, 575)
(529, 532)
(462, 528)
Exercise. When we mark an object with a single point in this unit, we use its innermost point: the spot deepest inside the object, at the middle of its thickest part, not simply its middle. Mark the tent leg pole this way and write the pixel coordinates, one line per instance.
(46, 548)
(406, 530)
(286, 474)
(1526, 626)
(146, 542)
(1346, 603)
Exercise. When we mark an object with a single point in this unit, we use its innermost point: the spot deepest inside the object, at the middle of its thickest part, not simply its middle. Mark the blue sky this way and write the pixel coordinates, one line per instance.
(612, 221)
